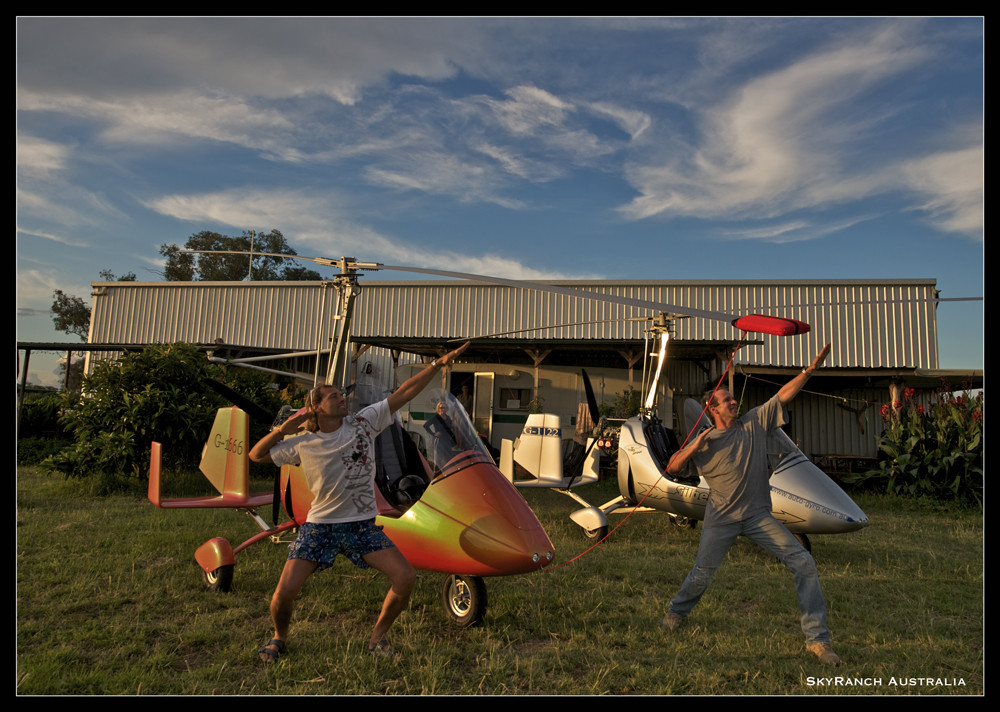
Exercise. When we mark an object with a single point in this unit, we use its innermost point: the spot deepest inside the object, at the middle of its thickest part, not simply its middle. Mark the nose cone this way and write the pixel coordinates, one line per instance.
(471, 520)
(806, 500)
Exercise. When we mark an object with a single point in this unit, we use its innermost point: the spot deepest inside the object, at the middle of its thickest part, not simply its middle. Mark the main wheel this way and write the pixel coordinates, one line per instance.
(598, 533)
(220, 579)
(683, 522)
(464, 599)
(804, 541)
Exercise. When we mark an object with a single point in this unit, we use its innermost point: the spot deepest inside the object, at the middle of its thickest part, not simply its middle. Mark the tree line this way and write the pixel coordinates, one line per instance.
(71, 314)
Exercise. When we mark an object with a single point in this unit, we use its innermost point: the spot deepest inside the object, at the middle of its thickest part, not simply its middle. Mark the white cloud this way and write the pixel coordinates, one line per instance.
(793, 138)
(312, 221)
(60, 239)
(38, 157)
(266, 57)
(951, 184)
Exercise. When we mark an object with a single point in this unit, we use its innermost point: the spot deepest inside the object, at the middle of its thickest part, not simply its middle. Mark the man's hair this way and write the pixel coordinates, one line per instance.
(707, 400)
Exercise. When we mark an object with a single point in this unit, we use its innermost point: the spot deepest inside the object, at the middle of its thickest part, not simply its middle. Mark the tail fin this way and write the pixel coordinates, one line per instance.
(224, 462)
(539, 449)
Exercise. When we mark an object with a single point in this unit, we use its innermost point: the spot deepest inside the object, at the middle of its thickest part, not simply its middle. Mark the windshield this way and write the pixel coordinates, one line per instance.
(434, 420)
(442, 429)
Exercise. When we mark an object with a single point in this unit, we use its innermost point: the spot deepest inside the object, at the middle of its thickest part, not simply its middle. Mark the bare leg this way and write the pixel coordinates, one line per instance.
(293, 576)
(401, 577)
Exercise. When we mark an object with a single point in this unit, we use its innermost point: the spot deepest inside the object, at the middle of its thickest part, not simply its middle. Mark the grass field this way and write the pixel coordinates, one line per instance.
(109, 601)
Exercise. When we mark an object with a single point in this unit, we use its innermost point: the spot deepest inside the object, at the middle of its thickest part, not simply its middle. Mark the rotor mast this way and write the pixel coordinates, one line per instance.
(661, 331)
(346, 284)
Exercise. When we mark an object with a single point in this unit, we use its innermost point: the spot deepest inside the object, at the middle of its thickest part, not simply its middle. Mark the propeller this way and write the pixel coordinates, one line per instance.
(762, 323)
(595, 414)
(252, 409)
(595, 419)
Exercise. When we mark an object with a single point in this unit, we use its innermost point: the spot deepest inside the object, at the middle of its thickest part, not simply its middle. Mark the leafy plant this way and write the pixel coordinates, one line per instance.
(931, 450)
(157, 394)
(622, 405)
(154, 394)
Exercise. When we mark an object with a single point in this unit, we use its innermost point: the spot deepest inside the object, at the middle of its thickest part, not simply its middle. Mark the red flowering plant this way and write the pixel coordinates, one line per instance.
(931, 447)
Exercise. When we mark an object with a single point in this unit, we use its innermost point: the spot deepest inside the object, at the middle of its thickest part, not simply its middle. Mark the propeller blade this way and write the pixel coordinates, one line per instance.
(248, 406)
(595, 414)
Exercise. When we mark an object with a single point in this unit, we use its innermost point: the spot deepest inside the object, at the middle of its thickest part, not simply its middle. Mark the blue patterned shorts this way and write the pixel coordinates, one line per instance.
(323, 542)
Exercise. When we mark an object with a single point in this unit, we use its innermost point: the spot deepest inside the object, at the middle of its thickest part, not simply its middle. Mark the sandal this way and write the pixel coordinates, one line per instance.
(269, 655)
(382, 649)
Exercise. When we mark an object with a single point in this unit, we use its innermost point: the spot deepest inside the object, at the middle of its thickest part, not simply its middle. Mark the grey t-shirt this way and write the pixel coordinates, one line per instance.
(734, 464)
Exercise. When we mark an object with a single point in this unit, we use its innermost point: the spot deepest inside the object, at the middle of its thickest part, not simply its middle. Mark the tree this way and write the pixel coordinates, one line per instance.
(187, 267)
(71, 314)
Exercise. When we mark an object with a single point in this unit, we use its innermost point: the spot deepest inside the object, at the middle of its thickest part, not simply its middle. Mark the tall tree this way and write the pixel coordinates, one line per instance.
(187, 267)
(71, 314)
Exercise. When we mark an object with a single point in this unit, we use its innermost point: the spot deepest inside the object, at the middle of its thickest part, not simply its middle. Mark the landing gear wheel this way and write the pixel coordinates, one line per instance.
(684, 522)
(804, 541)
(598, 533)
(220, 579)
(464, 599)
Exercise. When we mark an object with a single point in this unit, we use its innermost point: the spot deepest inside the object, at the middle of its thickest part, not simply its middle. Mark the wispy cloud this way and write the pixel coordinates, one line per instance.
(320, 228)
(37, 157)
(60, 239)
(796, 138)
(951, 184)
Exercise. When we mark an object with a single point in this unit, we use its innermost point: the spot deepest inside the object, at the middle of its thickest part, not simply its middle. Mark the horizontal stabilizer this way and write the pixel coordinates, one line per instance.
(224, 462)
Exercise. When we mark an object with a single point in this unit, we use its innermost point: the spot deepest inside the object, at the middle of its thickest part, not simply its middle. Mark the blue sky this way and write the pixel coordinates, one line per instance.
(609, 148)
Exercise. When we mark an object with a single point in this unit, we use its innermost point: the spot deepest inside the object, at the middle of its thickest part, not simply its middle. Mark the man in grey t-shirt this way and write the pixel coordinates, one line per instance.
(732, 457)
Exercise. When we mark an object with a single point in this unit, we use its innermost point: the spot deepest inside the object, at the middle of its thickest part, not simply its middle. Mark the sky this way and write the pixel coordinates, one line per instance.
(558, 148)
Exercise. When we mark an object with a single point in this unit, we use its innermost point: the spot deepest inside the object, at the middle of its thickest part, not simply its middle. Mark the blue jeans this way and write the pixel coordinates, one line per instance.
(773, 537)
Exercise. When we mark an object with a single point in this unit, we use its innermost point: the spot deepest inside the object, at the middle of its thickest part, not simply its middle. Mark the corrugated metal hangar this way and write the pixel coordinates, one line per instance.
(529, 346)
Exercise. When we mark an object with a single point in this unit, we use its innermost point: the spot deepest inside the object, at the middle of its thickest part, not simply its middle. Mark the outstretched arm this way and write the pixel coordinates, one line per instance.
(412, 386)
(792, 388)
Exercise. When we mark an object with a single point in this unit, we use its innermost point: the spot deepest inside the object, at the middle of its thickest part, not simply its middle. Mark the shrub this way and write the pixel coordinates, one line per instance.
(623, 405)
(933, 450)
(154, 394)
(40, 417)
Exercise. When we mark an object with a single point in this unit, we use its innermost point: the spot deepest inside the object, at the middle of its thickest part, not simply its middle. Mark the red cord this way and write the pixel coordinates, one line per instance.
(705, 408)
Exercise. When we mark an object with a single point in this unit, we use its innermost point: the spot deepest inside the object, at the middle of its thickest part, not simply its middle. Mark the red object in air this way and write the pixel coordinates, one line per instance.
(776, 325)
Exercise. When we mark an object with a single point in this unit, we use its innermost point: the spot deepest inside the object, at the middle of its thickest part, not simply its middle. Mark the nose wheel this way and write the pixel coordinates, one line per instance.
(464, 599)
(220, 579)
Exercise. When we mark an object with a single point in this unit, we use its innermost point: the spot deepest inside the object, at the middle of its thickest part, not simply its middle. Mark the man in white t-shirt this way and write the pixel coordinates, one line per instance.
(337, 458)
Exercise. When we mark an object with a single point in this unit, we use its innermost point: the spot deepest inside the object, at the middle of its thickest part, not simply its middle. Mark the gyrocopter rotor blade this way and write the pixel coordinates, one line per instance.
(757, 323)
(763, 323)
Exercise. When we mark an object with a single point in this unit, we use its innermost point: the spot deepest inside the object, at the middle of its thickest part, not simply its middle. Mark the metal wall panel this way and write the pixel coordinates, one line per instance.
(872, 324)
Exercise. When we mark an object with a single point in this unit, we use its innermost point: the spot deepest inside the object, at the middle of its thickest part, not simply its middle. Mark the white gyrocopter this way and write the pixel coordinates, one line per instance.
(803, 497)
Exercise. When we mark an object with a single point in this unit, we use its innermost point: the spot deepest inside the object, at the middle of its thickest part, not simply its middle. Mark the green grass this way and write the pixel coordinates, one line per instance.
(109, 601)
